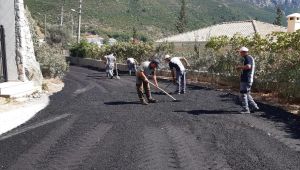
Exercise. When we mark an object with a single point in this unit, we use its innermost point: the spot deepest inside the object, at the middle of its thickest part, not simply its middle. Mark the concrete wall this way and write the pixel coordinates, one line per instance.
(88, 62)
(7, 19)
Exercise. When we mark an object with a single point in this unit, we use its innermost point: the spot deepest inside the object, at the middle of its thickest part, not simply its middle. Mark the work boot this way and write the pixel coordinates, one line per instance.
(151, 100)
(245, 111)
(143, 102)
(255, 109)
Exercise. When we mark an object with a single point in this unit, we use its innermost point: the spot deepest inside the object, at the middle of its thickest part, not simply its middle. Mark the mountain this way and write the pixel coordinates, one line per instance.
(285, 4)
(156, 18)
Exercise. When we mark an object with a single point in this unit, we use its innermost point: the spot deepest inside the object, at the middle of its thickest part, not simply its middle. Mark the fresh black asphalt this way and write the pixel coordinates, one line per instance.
(97, 123)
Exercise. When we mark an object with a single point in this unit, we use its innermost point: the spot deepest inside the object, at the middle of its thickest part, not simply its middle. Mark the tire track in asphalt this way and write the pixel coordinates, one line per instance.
(172, 147)
(77, 151)
(157, 150)
(29, 159)
(192, 154)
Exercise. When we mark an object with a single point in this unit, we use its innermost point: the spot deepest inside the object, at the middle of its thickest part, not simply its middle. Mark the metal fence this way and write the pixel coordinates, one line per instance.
(3, 67)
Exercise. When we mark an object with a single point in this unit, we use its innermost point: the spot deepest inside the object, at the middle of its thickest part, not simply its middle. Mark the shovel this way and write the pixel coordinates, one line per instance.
(175, 100)
(117, 76)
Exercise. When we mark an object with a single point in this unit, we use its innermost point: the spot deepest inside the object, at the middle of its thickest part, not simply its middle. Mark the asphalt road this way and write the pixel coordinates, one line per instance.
(97, 123)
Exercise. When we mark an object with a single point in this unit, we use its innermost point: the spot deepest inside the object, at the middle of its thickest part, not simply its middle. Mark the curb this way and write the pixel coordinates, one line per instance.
(16, 117)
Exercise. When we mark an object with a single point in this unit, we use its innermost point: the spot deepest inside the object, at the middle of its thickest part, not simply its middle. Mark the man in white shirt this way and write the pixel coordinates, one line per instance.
(131, 63)
(110, 65)
(175, 64)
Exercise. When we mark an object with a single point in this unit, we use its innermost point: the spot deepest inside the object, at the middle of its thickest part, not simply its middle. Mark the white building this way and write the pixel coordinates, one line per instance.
(293, 22)
(201, 36)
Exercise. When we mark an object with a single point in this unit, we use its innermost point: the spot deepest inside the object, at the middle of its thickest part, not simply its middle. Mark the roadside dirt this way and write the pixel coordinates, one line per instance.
(50, 86)
(266, 98)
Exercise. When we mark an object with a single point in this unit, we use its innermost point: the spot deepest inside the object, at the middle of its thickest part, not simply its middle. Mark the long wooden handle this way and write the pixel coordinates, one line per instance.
(162, 90)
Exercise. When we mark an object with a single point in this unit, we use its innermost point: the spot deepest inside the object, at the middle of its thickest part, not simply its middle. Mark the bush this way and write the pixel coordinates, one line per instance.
(123, 50)
(52, 62)
(58, 35)
(277, 59)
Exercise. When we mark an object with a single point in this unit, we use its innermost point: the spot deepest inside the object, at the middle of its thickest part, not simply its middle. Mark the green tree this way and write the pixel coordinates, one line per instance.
(181, 24)
(278, 18)
(134, 33)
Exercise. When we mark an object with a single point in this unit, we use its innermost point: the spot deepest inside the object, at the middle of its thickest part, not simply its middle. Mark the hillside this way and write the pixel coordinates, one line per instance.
(155, 18)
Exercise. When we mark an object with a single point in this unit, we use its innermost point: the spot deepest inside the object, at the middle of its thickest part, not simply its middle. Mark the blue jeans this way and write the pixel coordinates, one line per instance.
(247, 100)
(181, 80)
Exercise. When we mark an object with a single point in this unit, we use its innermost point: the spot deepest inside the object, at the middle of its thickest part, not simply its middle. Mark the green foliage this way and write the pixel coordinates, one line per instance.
(123, 50)
(165, 48)
(182, 21)
(155, 18)
(58, 35)
(279, 16)
(53, 63)
(85, 50)
(277, 59)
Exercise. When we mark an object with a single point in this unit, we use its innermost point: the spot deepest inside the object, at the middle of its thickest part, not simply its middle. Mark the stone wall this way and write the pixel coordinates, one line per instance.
(28, 67)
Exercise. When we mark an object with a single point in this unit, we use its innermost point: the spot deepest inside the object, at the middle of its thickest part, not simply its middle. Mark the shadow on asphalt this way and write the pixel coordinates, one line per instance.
(160, 93)
(120, 103)
(291, 122)
(201, 112)
(230, 97)
(194, 87)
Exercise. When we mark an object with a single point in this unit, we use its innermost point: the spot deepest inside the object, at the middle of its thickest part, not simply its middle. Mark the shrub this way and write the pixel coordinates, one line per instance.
(123, 50)
(52, 62)
(277, 59)
(58, 35)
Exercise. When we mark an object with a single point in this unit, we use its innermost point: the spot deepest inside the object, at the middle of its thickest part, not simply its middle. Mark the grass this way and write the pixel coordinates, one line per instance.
(159, 15)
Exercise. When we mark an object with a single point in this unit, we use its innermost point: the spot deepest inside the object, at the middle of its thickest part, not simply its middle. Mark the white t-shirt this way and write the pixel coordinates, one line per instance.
(177, 64)
(131, 60)
(111, 59)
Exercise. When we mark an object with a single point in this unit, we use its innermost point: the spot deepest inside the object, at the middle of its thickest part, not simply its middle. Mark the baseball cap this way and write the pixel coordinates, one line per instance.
(167, 56)
(155, 61)
(244, 49)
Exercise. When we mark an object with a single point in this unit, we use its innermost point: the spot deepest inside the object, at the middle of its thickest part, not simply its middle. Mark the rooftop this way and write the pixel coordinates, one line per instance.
(245, 28)
(294, 15)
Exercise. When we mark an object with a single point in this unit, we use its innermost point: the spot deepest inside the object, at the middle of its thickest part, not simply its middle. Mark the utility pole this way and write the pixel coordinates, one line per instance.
(62, 13)
(72, 21)
(79, 21)
(45, 27)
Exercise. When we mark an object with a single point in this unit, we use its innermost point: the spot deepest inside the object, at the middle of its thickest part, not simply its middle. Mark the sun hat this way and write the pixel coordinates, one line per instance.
(167, 56)
(244, 49)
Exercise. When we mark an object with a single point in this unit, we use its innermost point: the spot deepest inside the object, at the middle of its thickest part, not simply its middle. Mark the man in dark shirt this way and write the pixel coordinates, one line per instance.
(247, 75)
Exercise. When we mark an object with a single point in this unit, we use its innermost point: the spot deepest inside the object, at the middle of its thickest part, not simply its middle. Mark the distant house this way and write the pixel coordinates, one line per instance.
(201, 36)
(95, 39)
(112, 41)
(293, 22)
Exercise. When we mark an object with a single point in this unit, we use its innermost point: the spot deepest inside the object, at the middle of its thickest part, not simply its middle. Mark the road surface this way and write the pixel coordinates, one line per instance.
(97, 123)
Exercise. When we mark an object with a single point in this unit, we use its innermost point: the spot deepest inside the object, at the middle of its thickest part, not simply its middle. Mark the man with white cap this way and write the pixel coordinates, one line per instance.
(247, 75)
(175, 64)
